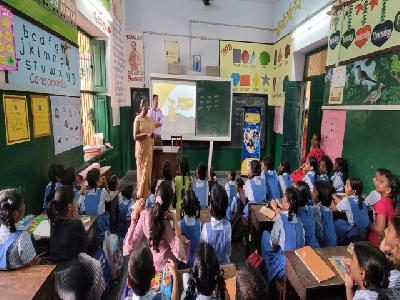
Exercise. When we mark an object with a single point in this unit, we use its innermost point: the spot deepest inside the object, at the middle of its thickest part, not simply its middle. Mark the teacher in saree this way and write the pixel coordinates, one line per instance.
(143, 134)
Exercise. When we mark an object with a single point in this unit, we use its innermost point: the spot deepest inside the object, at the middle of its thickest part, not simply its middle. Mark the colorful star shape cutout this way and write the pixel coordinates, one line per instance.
(265, 79)
(373, 3)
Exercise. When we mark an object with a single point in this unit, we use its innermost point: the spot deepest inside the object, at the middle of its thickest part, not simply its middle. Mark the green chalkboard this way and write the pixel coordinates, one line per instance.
(213, 108)
(371, 141)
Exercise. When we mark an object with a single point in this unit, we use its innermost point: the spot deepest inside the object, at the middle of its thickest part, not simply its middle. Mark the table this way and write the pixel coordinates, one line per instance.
(257, 223)
(205, 215)
(229, 272)
(30, 282)
(299, 278)
(161, 154)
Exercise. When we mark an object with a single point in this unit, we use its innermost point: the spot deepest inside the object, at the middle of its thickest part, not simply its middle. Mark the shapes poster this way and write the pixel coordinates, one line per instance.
(46, 63)
(67, 123)
(362, 28)
(249, 65)
(16, 119)
(251, 145)
(41, 116)
(8, 61)
(134, 59)
(332, 132)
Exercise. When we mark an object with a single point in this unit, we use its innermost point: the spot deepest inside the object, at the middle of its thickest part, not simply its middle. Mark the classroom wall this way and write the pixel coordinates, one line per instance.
(151, 15)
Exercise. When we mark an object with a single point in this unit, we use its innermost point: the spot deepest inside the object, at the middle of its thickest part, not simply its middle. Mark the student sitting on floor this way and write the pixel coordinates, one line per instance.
(55, 174)
(391, 246)
(154, 224)
(285, 181)
(250, 284)
(271, 179)
(369, 270)
(354, 228)
(141, 272)
(93, 201)
(200, 185)
(305, 213)
(78, 276)
(230, 188)
(287, 235)
(385, 208)
(205, 280)
(309, 168)
(152, 198)
(218, 231)
(112, 207)
(375, 196)
(340, 176)
(183, 182)
(325, 228)
(325, 166)
(212, 178)
(190, 224)
(125, 209)
(255, 188)
(16, 248)
(166, 172)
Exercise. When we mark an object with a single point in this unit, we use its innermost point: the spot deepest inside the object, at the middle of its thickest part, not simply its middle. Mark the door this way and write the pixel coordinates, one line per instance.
(292, 122)
(101, 116)
(317, 85)
(99, 65)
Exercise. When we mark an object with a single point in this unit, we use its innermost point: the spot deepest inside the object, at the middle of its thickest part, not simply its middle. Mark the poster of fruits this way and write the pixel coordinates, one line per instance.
(8, 60)
(363, 28)
(248, 64)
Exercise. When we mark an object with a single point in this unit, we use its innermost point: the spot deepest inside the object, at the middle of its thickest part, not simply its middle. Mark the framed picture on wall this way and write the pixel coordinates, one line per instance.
(196, 63)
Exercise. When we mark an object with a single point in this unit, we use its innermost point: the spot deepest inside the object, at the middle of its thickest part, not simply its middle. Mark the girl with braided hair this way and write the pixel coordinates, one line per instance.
(205, 280)
(16, 248)
(287, 235)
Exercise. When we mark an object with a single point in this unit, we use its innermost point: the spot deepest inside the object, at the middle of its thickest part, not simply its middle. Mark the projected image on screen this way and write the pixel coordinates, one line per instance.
(177, 101)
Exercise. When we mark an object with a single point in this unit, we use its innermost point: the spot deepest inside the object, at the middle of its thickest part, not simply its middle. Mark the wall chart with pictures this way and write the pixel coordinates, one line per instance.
(46, 64)
(363, 28)
(67, 123)
(8, 60)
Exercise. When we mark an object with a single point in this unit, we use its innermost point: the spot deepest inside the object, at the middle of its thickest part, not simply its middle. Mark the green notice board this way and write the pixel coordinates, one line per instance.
(213, 108)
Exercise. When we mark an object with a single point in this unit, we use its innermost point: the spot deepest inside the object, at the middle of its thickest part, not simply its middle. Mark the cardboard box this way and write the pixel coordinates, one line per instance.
(174, 69)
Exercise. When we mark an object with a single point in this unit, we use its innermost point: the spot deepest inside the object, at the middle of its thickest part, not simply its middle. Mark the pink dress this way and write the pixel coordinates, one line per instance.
(170, 247)
(383, 207)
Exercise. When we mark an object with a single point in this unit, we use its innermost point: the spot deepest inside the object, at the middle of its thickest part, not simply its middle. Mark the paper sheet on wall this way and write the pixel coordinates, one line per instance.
(339, 77)
(278, 121)
(134, 59)
(171, 51)
(41, 116)
(115, 116)
(67, 123)
(16, 119)
(332, 132)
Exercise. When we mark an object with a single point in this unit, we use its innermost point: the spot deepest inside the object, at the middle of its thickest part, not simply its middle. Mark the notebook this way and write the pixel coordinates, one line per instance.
(318, 268)
(266, 211)
(231, 287)
(42, 230)
(339, 262)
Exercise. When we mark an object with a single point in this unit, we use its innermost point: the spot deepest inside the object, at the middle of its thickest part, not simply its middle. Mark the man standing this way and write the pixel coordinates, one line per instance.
(156, 115)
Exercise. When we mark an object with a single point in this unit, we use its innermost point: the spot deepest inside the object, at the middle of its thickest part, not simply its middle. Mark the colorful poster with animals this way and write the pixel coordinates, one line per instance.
(332, 132)
(8, 60)
(372, 81)
(46, 64)
(134, 59)
(248, 64)
(67, 123)
(251, 137)
(363, 28)
(41, 116)
(16, 119)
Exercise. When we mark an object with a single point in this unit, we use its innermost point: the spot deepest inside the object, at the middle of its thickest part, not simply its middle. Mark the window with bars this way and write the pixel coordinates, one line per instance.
(315, 63)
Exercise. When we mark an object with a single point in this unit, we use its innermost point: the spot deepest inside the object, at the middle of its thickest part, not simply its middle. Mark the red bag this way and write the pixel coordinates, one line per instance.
(257, 261)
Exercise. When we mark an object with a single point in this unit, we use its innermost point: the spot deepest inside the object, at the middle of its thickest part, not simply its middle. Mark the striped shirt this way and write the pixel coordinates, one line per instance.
(21, 251)
(394, 279)
(365, 295)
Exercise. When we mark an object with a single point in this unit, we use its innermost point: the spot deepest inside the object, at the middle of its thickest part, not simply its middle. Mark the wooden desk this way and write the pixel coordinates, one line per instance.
(161, 154)
(205, 215)
(257, 223)
(229, 272)
(31, 282)
(299, 278)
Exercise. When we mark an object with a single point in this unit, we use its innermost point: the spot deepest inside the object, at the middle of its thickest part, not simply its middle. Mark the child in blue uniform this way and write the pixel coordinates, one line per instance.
(325, 228)
(287, 235)
(92, 201)
(152, 198)
(305, 213)
(324, 168)
(255, 188)
(355, 227)
(230, 188)
(285, 181)
(125, 209)
(200, 185)
(271, 179)
(55, 174)
(340, 176)
(310, 166)
(190, 224)
(218, 231)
